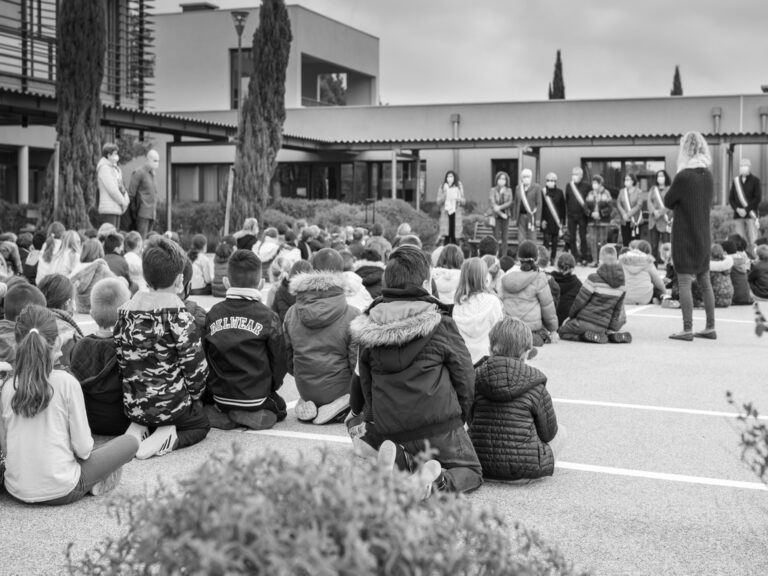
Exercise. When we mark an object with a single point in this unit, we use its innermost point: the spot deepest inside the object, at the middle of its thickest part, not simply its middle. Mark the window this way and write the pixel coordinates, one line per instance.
(508, 165)
(246, 65)
(614, 169)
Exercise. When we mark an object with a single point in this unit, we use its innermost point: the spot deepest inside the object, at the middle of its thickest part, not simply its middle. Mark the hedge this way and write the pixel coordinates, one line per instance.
(268, 515)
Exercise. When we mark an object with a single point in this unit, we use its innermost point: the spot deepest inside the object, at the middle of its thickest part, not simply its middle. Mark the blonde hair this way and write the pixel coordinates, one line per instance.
(510, 337)
(693, 146)
(36, 334)
(472, 279)
(279, 269)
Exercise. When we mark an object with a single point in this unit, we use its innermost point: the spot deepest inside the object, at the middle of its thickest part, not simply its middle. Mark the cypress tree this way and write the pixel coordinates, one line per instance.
(260, 133)
(81, 46)
(557, 88)
(677, 85)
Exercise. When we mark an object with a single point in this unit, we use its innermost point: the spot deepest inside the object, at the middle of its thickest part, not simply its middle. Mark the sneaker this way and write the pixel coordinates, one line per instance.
(218, 419)
(428, 474)
(709, 334)
(161, 442)
(138, 431)
(392, 455)
(685, 336)
(305, 411)
(362, 449)
(620, 337)
(327, 412)
(259, 420)
(108, 484)
(594, 337)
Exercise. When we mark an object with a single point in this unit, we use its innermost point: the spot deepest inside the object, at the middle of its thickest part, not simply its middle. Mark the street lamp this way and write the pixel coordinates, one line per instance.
(239, 17)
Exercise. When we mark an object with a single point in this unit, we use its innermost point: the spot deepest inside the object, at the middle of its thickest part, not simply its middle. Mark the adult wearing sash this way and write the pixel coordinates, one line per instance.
(450, 198)
(659, 218)
(745, 199)
(690, 196)
(578, 215)
(527, 207)
(629, 204)
(501, 209)
(552, 215)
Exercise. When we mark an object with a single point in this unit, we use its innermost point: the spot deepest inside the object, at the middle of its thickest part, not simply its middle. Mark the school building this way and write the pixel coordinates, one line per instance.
(361, 150)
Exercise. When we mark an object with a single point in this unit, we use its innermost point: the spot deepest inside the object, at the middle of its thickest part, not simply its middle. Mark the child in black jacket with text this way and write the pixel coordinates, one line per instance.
(245, 349)
(416, 377)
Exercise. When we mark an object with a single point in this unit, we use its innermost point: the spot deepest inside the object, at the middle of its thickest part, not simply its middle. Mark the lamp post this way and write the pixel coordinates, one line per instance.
(239, 17)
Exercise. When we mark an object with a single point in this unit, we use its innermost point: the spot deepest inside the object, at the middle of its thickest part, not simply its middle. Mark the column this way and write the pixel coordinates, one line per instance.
(23, 178)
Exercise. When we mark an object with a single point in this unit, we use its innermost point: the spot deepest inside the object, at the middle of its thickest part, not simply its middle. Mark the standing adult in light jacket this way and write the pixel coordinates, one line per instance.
(113, 198)
(659, 218)
(450, 199)
(527, 207)
(629, 205)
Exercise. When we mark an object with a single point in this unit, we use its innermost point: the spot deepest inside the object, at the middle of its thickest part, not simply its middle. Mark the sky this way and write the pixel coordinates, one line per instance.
(452, 51)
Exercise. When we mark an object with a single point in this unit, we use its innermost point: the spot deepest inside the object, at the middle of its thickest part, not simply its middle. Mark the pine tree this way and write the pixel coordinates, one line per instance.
(260, 134)
(557, 88)
(677, 84)
(81, 47)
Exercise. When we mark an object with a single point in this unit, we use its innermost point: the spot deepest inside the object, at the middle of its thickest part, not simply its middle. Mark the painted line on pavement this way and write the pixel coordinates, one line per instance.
(634, 311)
(652, 408)
(564, 465)
(291, 404)
(676, 317)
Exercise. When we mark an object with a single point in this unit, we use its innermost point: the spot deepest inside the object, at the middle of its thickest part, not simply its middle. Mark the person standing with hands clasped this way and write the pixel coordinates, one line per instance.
(450, 198)
(113, 198)
(527, 207)
(745, 198)
(659, 218)
(629, 204)
(690, 196)
(552, 215)
(501, 209)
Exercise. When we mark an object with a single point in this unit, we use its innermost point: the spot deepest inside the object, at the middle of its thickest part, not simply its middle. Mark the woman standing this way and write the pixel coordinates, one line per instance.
(113, 197)
(690, 196)
(659, 218)
(501, 209)
(629, 204)
(450, 198)
(600, 204)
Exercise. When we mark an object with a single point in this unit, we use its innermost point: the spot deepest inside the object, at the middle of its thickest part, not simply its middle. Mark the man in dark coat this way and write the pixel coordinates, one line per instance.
(745, 199)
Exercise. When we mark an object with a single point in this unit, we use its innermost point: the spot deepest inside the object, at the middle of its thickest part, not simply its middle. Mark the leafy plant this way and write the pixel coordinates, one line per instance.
(268, 515)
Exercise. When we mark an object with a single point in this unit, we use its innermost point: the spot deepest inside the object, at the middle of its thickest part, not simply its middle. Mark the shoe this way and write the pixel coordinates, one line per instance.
(353, 421)
(218, 419)
(709, 334)
(392, 456)
(108, 484)
(427, 475)
(532, 353)
(305, 411)
(620, 337)
(362, 449)
(594, 337)
(138, 431)
(161, 442)
(669, 303)
(686, 336)
(259, 420)
(327, 412)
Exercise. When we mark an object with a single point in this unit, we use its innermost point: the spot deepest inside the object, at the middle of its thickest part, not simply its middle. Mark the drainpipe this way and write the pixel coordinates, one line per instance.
(722, 152)
(455, 120)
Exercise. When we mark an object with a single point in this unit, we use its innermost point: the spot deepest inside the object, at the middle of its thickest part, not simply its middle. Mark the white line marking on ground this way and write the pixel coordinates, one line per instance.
(291, 404)
(564, 465)
(677, 317)
(634, 311)
(652, 408)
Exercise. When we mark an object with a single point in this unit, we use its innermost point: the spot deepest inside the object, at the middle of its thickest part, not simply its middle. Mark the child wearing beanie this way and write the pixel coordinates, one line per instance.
(94, 361)
(569, 285)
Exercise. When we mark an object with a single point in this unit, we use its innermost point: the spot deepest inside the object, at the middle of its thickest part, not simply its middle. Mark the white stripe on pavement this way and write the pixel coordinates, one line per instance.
(652, 408)
(291, 404)
(633, 311)
(677, 317)
(564, 465)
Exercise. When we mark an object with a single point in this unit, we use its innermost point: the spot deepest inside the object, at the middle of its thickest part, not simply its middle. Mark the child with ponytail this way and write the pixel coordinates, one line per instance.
(43, 413)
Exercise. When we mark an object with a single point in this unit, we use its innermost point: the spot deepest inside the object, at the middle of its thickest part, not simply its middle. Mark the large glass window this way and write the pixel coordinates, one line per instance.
(245, 74)
(614, 169)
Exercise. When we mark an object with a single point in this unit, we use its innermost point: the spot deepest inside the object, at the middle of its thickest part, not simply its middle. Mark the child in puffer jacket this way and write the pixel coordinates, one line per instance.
(355, 291)
(370, 268)
(283, 298)
(720, 266)
(525, 294)
(740, 269)
(569, 285)
(641, 278)
(513, 426)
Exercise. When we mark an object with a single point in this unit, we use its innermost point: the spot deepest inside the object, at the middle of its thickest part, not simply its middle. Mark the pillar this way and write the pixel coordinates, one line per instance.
(23, 178)
(394, 174)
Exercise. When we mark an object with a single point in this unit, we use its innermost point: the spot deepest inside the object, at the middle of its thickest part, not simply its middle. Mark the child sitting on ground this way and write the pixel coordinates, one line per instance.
(133, 247)
(198, 312)
(224, 250)
(283, 299)
(50, 458)
(19, 295)
(356, 292)
(94, 361)
(113, 254)
(416, 377)
(597, 314)
(279, 269)
(525, 294)
(202, 267)
(59, 292)
(739, 273)
(160, 357)
(495, 272)
(720, 276)
(370, 268)
(513, 425)
(641, 278)
(543, 263)
(758, 276)
(244, 346)
(321, 352)
(445, 275)
(569, 285)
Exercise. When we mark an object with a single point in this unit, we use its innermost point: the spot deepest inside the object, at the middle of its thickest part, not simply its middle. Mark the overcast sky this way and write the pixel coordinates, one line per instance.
(435, 51)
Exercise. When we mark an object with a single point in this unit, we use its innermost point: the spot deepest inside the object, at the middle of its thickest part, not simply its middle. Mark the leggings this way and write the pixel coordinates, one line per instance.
(451, 238)
(686, 298)
(101, 463)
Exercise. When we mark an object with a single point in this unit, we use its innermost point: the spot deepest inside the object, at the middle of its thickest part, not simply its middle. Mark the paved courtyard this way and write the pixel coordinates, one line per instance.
(650, 481)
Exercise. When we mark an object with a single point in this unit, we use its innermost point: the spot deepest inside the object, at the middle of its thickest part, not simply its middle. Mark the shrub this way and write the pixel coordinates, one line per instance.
(270, 516)
(14, 216)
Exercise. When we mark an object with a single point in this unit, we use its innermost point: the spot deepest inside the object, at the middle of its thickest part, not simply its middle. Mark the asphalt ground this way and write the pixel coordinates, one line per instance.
(650, 480)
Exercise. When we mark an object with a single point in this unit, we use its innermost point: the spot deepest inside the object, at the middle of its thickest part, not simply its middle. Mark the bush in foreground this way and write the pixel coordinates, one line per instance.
(271, 516)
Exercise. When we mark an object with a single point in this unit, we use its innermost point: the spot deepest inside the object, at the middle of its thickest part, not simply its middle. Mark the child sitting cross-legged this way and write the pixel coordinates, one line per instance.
(321, 352)
(513, 425)
(161, 358)
(50, 458)
(19, 295)
(94, 361)
(416, 378)
(245, 349)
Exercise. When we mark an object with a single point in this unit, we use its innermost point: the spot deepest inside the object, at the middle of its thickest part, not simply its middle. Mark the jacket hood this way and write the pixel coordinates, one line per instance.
(474, 309)
(84, 277)
(268, 250)
(370, 272)
(635, 261)
(320, 297)
(98, 359)
(503, 379)
(611, 273)
(516, 280)
(565, 279)
(353, 283)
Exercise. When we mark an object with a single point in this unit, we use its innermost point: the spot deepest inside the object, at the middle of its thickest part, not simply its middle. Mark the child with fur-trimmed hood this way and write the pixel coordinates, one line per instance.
(321, 353)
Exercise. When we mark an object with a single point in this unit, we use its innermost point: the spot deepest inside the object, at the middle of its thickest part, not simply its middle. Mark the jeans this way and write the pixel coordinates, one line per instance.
(101, 463)
(551, 238)
(451, 238)
(144, 225)
(501, 230)
(524, 229)
(686, 298)
(582, 253)
(657, 239)
(113, 219)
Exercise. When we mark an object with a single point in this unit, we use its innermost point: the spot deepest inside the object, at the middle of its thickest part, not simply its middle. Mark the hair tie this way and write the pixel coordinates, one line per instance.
(35, 330)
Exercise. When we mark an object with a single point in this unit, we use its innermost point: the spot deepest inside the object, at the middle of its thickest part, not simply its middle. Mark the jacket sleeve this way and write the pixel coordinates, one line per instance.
(547, 304)
(537, 206)
(459, 364)
(618, 317)
(288, 342)
(560, 207)
(190, 355)
(544, 417)
(733, 198)
(352, 346)
(504, 206)
(657, 281)
(135, 184)
(276, 353)
(638, 205)
(672, 197)
(364, 367)
(755, 196)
